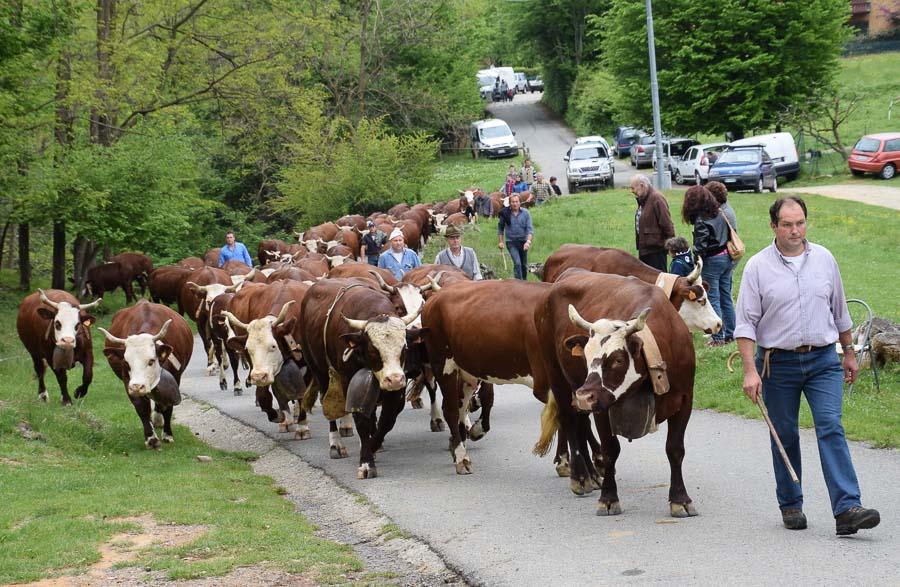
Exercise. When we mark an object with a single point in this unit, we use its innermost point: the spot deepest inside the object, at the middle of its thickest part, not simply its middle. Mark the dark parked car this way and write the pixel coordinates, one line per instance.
(624, 138)
(878, 153)
(741, 168)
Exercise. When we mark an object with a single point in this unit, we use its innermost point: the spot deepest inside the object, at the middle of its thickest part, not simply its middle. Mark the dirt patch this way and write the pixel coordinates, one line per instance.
(876, 195)
(125, 547)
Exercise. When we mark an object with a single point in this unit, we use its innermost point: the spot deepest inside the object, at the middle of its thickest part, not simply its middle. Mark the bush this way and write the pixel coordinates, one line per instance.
(591, 102)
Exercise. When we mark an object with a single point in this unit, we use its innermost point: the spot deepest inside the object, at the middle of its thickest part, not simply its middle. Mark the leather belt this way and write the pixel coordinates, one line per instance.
(803, 349)
(767, 354)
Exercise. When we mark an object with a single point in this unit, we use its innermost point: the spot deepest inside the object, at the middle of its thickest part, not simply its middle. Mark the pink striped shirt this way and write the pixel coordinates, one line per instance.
(785, 305)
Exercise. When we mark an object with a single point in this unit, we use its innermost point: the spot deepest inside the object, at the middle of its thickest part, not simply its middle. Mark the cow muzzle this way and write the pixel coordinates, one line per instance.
(715, 329)
(137, 389)
(66, 343)
(260, 378)
(592, 398)
(393, 382)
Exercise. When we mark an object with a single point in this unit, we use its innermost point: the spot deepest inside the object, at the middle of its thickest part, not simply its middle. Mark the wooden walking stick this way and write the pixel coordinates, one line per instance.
(784, 457)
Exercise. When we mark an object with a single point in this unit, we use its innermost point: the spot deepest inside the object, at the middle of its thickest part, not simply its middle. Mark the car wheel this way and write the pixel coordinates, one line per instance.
(678, 179)
(888, 171)
(759, 185)
(697, 180)
(858, 172)
(572, 188)
(774, 187)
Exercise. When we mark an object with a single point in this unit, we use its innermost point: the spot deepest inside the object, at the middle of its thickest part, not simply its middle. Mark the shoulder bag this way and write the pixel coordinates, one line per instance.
(736, 248)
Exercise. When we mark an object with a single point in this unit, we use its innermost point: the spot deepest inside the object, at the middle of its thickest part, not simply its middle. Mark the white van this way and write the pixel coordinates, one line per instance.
(492, 138)
(782, 150)
(521, 83)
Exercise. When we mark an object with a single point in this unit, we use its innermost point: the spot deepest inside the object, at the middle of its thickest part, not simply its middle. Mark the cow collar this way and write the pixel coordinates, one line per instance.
(337, 298)
(666, 281)
(653, 357)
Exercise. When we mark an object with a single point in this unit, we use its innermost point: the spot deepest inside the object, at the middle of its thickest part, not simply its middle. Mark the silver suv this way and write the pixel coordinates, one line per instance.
(588, 166)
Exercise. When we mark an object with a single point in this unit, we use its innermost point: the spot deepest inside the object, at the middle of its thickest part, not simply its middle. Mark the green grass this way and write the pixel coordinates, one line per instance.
(61, 492)
(863, 239)
(458, 172)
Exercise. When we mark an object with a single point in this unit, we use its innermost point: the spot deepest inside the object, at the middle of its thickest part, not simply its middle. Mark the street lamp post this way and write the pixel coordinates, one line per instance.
(654, 96)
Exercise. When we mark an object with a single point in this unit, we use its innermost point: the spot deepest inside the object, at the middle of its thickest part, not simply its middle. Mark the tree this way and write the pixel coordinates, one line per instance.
(730, 69)
(822, 115)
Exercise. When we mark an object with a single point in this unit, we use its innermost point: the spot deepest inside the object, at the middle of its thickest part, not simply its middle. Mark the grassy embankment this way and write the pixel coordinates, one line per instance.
(863, 239)
(62, 492)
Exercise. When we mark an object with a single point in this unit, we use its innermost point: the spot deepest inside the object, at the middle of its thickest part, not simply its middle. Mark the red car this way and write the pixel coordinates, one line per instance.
(878, 153)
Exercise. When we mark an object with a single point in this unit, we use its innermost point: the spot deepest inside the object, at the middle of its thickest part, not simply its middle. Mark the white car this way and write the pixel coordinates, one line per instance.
(695, 163)
(588, 165)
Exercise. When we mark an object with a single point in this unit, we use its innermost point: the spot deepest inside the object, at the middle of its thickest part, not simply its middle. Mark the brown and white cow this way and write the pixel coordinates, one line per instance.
(55, 330)
(165, 283)
(348, 325)
(270, 250)
(588, 329)
(148, 347)
(464, 348)
(688, 296)
(194, 298)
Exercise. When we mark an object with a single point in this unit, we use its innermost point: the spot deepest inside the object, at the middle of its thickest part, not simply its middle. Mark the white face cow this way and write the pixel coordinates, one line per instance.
(144, 355)
(696, 311)
(410, 294)
(261, 343)
(613, 356)
(212, 291)
(338, 260)
(65, 320)
(383, 341)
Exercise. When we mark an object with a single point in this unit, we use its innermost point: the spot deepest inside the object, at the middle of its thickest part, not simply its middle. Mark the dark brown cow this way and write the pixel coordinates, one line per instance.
(353, 220)
(266, 248)
(588, 329)
(464, 348)
(165, 283)
(54, 327)
(148, 346)
(348, 325)
(219, 333)
(194, 298)
(138, 264)
(688, 295)
(211, 257)
(120, 271)
(453, 207)
(191, 263)
(399, 209)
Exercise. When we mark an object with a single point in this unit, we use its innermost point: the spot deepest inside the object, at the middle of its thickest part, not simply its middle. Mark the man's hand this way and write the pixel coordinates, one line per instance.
(527, 245)
(752, 385)
(851, 368)
(500, 245)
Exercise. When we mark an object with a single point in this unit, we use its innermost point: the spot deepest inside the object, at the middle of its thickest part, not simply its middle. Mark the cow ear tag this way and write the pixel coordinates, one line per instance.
(692, 296)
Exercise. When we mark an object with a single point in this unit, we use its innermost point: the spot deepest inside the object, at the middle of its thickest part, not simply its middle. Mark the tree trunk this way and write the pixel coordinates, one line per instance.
(84, 253)
(24, 258)
(11, 258)
(59, 255)
(364, 23)
(101, 117)
(3, 241)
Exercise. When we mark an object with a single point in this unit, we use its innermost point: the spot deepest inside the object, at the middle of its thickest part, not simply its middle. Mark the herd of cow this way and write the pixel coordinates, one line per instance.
(601, 334)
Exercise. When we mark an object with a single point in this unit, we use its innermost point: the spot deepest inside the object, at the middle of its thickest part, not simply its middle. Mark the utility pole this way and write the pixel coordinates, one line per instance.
(654, 96)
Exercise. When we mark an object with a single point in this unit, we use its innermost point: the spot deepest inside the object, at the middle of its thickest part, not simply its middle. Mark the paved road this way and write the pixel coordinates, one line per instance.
(886, 196)
(514, 522)
(548, 138)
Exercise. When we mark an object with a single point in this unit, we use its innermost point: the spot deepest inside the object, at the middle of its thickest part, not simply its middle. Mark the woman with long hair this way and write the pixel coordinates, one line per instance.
(701, 210)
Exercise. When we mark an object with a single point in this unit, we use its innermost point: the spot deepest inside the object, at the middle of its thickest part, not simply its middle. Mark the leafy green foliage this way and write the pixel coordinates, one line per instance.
(591, 102)
(729, 69)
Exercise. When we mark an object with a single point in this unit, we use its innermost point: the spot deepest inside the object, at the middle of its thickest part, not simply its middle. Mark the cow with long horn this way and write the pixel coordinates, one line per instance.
(55, 327)
(148, 347)
(352, 331)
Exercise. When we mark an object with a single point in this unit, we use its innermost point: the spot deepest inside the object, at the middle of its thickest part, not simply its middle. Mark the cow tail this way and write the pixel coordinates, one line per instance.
(549, 426)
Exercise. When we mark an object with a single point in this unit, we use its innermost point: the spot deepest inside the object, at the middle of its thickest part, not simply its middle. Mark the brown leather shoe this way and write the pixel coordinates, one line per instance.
(854, 519)
(793, 519)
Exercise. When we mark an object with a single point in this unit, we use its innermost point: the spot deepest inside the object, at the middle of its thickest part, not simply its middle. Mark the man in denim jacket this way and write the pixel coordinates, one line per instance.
(398, 259)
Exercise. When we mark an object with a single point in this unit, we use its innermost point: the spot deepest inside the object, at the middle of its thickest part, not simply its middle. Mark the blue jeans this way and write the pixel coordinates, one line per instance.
(717, 272)
(819, 375)
(519, 258)
(372, 260)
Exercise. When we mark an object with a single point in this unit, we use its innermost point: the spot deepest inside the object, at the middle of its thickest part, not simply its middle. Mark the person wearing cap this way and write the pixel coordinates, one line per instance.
(541, 189)
(398, 259)
(457, 255)
(373, 240)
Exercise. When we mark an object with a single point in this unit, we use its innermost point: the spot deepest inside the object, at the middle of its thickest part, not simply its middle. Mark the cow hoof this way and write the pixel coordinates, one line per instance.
(223, 386)
(581, 488)
(682, 510)
(66, 401)
(609, 508)
(416, 403)
(238, 391)
(43, 396)
(168, 438)
(596, 480)
(80, 393)
(563, 469)
(437, 425)
(366, 471)
(282, 427)
(302, 434)
(152, 442)
(476, 432)
(346, 432)
(464, 467)
(210, 369)
(157, 420)
(338, 452)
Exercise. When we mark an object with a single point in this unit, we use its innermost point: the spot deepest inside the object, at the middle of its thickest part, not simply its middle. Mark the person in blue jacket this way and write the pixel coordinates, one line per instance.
(234, 250)
(398, 259)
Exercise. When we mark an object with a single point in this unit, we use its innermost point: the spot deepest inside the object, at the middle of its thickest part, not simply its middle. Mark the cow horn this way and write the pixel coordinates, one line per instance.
(110, 337)
(638, 323)
(283, 313)
(163, 330)
(294, 256)
(411, 317)
(382, 282)
(299, 235)
(354, 323)
(694, 275)
(435, 285)
(91, 305)
(234, 321)
(48, 301)
(193, 285)
(250, 275)
(577, 320)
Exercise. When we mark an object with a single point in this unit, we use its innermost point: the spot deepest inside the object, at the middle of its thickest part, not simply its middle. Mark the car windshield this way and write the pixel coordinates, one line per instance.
(597, 152)
(495, 132)
(867, 145)
(742, 157)
(679, 149)
(629, 134)
(647, 140)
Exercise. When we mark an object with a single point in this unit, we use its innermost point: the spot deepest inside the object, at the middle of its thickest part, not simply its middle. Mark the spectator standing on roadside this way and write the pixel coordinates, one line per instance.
(541, 189)
(701, 210)
(519, 186)
(556, 189)
(792, 306)
(234, 250)
(528, 173)
(373, 241)
(515, 225)
(652, 223)
(720, 193)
